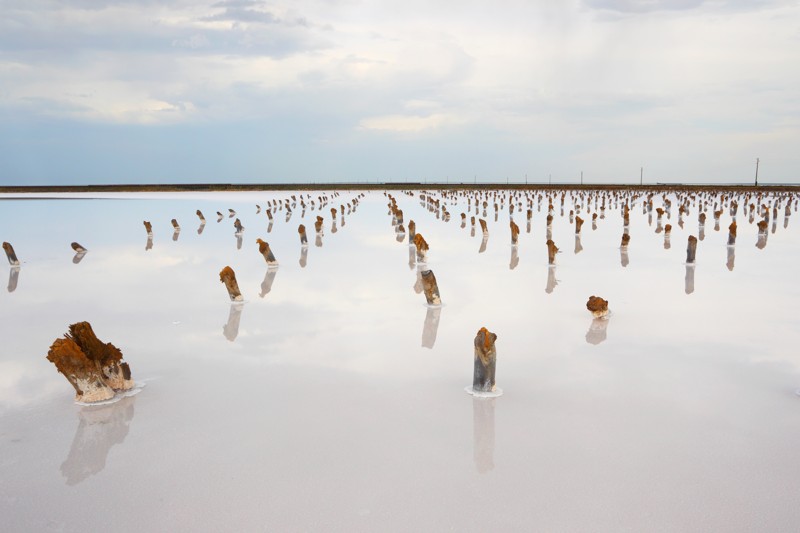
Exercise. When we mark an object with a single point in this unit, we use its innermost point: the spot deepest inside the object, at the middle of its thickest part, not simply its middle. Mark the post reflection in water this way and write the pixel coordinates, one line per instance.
(412, 256)
(13, 278)
(578, 246)
(597, 331)
(78, 257)
(269, 227)
(99, 428)
(762, 241)
(303, 256)
(431, 326)
(418, 283)
(731, 257)
(514, 257)
(551, 279)
(484, 240)
(623, 256)
(201, 228)
(689, 279)
(483, 433)
(231, 328)
(238, 241)
(269, 278)
(318, 241)
(149, 245)
(175, 235)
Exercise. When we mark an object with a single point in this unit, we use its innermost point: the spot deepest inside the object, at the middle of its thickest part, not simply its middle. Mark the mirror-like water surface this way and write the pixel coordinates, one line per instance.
(333, 397)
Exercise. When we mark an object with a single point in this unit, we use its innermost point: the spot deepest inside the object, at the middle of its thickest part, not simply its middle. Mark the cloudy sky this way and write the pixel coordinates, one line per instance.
(105, 91)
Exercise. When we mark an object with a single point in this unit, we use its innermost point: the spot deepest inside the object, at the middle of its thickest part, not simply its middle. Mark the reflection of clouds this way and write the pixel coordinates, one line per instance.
(308, 306)
(24, 381)
(99, 428)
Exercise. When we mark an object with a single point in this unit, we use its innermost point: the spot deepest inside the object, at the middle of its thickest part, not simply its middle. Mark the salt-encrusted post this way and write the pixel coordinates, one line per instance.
(552, 250)
(514, 233)
(228, 277)
(430, 287)
(301, 229)
(597, 306)
(94, 368)
(266, 252)
(483, 377)
(10, 254)
(422, 248)
(691, 249)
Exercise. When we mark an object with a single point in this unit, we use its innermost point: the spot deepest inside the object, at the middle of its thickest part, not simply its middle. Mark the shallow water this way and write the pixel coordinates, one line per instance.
(333, 398)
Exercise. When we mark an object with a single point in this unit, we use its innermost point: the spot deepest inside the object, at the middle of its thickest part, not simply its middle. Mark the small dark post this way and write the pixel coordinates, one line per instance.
(691, 249)
(10, 254)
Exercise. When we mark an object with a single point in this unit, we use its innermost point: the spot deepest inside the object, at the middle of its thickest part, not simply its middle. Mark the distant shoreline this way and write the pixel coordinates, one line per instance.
(221, 187)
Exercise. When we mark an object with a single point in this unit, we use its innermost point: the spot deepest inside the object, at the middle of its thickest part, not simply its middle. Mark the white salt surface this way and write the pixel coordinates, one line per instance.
(333, 401)
(137, 388)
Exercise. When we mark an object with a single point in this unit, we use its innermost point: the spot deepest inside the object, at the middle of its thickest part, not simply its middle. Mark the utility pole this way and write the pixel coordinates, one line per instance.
(581, 177)
(550, 179)
(757, 172)
(641, 175)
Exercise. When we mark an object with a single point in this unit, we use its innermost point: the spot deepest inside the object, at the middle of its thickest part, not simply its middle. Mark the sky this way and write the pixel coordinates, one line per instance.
(256, 91)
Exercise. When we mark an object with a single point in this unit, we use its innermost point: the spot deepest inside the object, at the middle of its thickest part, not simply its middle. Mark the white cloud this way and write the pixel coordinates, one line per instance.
(406, 123)
(560, 73)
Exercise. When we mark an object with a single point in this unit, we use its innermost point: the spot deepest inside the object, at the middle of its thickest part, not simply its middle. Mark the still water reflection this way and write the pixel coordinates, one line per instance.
(99, 429)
